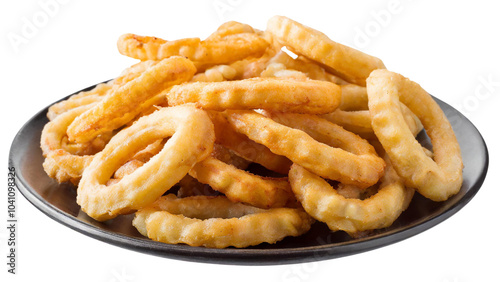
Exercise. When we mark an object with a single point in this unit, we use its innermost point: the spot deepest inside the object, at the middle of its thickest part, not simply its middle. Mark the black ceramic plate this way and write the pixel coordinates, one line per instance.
(58, 202)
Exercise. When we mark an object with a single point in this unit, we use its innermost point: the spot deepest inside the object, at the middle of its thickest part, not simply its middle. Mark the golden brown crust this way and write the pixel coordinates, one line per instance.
(437, 178)
(245, 147)
(217, 222)
(127, 101)
(241, 186)
(215, 50)
(60, 163)
(192, 139)
(350, 64)
(325, 204)
(358, 166)
(310, 96)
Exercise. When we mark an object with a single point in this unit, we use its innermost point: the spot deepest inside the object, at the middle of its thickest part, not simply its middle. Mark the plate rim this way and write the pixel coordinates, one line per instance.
(234, 256)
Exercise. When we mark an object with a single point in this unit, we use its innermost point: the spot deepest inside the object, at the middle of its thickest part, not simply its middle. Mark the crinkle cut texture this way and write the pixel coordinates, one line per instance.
(245, 147)
(60, 163)
(241, 186)
(217, 222)
(436, 178)
(361, 167)
(191, 140)
(350, 64)
(309, 96)
(129, 100)
(215, 50)
(325, 204)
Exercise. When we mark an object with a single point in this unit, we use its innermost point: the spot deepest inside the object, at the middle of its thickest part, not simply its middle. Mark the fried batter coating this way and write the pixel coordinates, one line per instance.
(354, 161)
(191, 140)
(285, 95)
(352, 215)
(436, 178)
(216, 222)
(129, 100)
(350, 64)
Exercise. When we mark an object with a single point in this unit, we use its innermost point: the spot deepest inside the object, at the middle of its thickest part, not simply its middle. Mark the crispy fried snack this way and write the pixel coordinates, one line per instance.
(154, 48)
(138, 160)
(189, 186)
(229, 28)
(80, 99)
(191, 141)
(280, 70)
(353, 115)
(222, 119)
(303, 65)
(354, 98)
(360, 122)
(97, 93)
(350, 64)
(121, 106)
(436, 179)
(229, 157)
(133, 72)
(241, 186)
(216, 74)
(246, 148)
(354, 162)
(310, 96)
(325, 204)
(216, 222)
(59, 163)
(216, 50)
(253, 66)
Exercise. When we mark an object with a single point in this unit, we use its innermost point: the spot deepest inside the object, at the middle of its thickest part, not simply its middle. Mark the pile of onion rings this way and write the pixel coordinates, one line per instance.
(232, 142)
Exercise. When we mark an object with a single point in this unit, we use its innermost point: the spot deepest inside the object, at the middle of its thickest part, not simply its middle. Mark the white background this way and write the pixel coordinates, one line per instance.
(448, 47)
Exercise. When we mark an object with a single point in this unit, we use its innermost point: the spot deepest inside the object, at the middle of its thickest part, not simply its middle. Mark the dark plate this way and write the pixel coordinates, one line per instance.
(58, 202)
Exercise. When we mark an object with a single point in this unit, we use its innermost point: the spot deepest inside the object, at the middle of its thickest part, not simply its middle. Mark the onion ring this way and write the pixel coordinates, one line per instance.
(304, 65)
(61, 163)
(354, 98)
(245, 147)
(216, 222)
(359, 165)
(191, 140)
(360, 122)
(189, 186)
(140, 158)
(252, 66)
(214, 51)
(325, 204)
(438, 178)
(353, 115)
(126, 102)
(241, 186)
(310, 96)
(350, 64)
(97, 93)
(229, 157)
(83, 98)
(153, 48)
